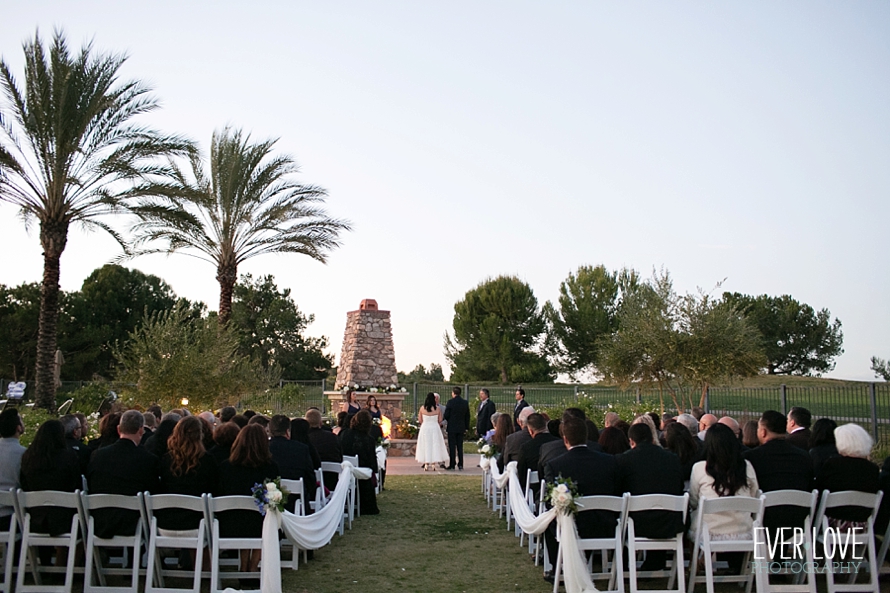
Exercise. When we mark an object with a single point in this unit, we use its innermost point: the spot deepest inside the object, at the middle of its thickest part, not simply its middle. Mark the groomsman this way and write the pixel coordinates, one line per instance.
(483, 414)
(520, 404)
(457, 415)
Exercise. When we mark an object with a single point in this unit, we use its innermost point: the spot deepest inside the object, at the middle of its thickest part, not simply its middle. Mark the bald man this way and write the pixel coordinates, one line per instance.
(706, 422)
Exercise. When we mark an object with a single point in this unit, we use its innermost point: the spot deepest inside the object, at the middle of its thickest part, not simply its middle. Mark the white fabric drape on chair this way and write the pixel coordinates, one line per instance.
(310, 532)
(577, 577)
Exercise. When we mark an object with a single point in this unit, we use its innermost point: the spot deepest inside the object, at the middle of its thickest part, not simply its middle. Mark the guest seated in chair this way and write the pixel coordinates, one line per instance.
(358, 441)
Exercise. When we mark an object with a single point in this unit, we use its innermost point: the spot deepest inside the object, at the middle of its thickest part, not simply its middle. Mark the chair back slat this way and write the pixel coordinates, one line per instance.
(658, 502)
(159, 502)
(218, 504)
(92, 502)
(796, 498)
(737, 504)
(46, 498)
(601, 503)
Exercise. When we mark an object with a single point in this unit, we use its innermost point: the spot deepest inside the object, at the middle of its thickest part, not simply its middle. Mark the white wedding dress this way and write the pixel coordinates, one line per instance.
(430, 442)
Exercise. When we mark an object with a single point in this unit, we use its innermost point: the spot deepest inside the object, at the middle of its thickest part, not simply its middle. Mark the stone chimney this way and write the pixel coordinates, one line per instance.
(367, 358)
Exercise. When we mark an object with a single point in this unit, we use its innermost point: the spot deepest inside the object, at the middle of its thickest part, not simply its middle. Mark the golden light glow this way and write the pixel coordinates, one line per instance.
(184, 401)
(385, 426)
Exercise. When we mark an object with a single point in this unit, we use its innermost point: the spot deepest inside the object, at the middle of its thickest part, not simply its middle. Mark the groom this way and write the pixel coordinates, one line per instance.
(457, 415)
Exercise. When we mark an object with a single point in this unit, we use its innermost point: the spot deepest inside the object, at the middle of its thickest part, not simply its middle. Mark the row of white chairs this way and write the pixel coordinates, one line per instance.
(704, 546)
(81, 532)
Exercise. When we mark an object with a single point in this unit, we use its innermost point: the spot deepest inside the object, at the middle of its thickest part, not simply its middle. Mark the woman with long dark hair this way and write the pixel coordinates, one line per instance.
(249, 463)
(187, 468)
(724, 472)
(373, 408)
(613, 441)
(299, 431)
(430, 450)
(49, 465)
(503, 427)
(822, 445)
(680, 442)
(358, 441)
(351, 407)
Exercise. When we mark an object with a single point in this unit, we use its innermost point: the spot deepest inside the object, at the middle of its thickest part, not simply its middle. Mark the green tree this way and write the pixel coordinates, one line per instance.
(174, 355)
(498, 329)
(271, 330)
(421, 375)
(247, 205)
(19, 315)
(671, 341)
(112, 302)
(586, 312)
(68, 152)
(881, 368)
(797, 339)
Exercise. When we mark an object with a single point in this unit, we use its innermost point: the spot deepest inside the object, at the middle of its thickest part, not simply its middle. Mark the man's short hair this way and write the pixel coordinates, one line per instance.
(486, 391)
(313, 417)
(801, 416)
(689, 421)
(155, 410)
(574, 431)
(227, 413)
(455, 390)
(149, 419)
(536, 422)
(524, 414)
(640, 433)
(70, 423)
(520, 391)
(574, 413)
(774, 421)
(278, 426)
(259, 419)
(131, 422)
(9, 422)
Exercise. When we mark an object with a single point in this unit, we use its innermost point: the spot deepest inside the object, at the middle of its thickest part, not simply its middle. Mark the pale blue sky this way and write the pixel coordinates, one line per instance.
(746, 141)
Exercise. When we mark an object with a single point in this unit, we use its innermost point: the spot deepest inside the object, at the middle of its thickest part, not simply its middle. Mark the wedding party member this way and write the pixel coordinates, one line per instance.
(430, 449)
(358, 441)
(250, 463)
(351, 407)
(373, 408)
(122, 468)
(484, 413)
(457, 417)
(521, 404)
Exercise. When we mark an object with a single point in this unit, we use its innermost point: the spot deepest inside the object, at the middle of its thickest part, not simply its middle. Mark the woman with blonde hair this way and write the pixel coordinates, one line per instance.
(647, 420)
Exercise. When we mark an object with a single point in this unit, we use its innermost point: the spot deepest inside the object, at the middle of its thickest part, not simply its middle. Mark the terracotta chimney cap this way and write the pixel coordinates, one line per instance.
(368, 305)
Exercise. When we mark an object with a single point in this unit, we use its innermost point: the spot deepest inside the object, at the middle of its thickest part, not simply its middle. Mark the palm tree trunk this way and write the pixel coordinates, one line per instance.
(53, 237)
(226, 275)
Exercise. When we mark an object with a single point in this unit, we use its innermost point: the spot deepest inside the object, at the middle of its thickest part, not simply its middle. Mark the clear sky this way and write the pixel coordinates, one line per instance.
(741, 141)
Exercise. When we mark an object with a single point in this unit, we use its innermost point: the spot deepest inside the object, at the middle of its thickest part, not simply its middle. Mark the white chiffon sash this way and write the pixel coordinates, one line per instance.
(308, 532)
(575, 573)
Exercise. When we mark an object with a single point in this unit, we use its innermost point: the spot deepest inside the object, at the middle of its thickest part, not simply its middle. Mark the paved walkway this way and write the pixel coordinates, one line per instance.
(406, 466)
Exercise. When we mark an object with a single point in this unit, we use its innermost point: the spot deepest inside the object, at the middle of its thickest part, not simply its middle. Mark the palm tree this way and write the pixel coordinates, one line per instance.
(68, 151)
(247, 206)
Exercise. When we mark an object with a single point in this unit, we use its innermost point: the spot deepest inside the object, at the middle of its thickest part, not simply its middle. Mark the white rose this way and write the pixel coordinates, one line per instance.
(271, 487)
(562, 488)
(562, 498)
(275, 496)
(486, 448)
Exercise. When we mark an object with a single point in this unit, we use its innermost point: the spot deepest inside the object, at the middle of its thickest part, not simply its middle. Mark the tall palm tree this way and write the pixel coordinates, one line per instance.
(248, 205)
(68, 155)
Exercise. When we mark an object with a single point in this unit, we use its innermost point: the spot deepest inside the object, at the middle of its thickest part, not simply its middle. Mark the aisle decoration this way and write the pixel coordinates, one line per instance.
(270, 495)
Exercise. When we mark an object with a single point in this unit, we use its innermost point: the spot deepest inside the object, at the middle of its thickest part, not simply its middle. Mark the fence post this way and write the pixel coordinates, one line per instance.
(707, 399)
(576, 394)
(639, 397)
(783, 390)
(414, 397)
(874, 411)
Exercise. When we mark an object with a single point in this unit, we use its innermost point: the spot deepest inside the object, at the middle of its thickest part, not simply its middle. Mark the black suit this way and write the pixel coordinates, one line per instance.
(512, 446)
(649, 469)
(593, 473)
(800, 438)
(780, 465)
(457, 414)
(121, 468)
(516, 409)
(483, 418)
(294, 462)
(328, 446)
(556, 448)
(529, 454)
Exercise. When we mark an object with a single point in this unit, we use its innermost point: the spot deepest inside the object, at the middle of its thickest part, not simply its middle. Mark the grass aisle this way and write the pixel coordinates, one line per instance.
(434, 534)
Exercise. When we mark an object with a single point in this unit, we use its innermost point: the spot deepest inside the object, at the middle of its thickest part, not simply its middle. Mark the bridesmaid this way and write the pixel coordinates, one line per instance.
(373, 408)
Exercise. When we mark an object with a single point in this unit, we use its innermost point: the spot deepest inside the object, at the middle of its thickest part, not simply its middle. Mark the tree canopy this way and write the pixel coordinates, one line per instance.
(498, 330)
(881, 368)
(586, 312)
(271, 329)
(421, 375)
(797, 339)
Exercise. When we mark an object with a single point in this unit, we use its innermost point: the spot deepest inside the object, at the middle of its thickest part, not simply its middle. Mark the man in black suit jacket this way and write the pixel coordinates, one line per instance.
(780, 465)
(648, 469)
(292, 457)
(798, 427)
(515, 441)
(555, 449)
(484, 413)
(521, 404)
(528, 453)
(457, 414)
(593, 473)
(326, 444)
(122, 468)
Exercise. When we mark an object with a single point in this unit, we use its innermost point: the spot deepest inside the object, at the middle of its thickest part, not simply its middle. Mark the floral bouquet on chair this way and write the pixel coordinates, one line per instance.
(562, 495)
(270, 495)
(486, 449)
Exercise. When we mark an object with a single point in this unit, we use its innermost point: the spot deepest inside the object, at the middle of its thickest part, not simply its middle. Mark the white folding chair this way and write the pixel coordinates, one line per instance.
(332, 467)
(839, 539)
(706, 547)
(612, 569)
(24, 502)
(788, 545)
(8, 540)
(656, 502)
(216, 505)
(882, 553)
(90, 503)
(297, 493)
(154, 578)
(355, 509)
(531, 486)
(318, 503)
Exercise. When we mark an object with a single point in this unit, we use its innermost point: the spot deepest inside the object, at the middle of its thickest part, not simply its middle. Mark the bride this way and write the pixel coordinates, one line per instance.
(431, 448)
